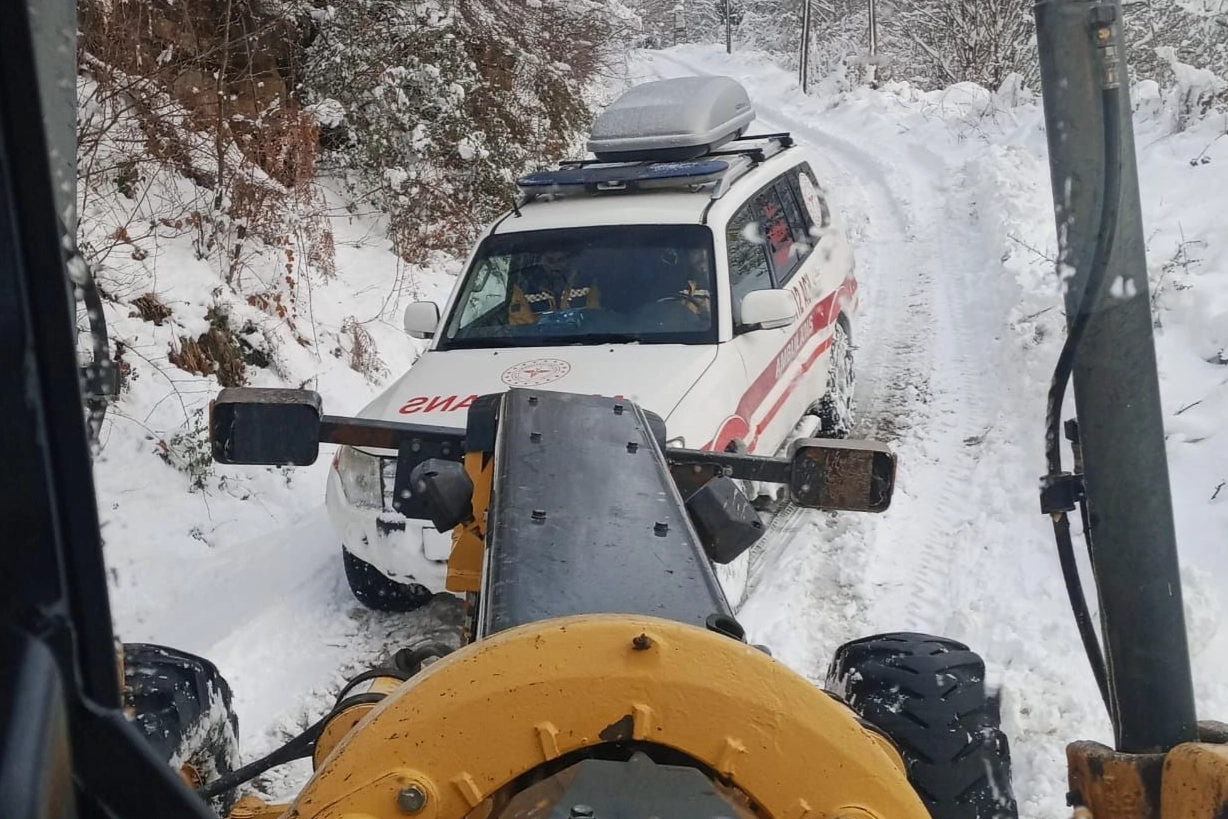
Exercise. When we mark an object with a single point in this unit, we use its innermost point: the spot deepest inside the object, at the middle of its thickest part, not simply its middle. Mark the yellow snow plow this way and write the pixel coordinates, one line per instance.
(604, 670)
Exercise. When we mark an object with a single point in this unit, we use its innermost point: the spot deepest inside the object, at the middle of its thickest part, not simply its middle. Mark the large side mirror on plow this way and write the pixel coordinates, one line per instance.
(282, 427)
(266, 426)
(849, 476)
(820, 473)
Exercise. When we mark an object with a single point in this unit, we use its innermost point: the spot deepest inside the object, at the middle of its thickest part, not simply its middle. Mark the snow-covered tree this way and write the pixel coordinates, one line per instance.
(439, 105)
(981, 41)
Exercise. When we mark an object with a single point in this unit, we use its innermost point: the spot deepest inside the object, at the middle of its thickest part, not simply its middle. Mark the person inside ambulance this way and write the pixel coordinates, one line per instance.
(689, 280)
(551, 285)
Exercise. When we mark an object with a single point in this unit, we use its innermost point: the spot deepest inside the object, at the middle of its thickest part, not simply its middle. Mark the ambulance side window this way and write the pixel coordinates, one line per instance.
(487, 291)
(802, 243)
(779, 237)
(748, 264)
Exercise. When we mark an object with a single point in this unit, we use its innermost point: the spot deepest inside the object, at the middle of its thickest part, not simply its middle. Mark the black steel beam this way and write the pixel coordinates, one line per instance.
(368, 432)
(1133, 551)
(586, 519)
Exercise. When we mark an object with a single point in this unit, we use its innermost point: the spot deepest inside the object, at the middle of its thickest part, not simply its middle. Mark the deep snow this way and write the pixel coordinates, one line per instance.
(947, 195)
(950, 194)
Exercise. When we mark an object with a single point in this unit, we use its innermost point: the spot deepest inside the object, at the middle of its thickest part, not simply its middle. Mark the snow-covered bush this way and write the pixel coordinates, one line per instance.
(981, 41)
(438, 106)
(1194, 92)
(1162, 35)
(936, 43)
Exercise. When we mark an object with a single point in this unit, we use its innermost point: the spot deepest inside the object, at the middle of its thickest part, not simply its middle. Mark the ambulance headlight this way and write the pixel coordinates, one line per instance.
(360, 477)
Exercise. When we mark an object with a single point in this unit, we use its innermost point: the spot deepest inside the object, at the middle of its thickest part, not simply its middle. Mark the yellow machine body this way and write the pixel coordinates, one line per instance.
(469, 540)
(350, 715)
(1188, 782)
(1195, 782)
(463, 729)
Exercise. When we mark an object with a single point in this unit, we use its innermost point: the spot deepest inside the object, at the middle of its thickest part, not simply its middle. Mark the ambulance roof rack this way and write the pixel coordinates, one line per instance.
(718, 168)
(681, 133)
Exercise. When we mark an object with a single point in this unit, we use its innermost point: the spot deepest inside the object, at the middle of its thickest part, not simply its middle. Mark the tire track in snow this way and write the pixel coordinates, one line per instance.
(921, 379)
(964, 551)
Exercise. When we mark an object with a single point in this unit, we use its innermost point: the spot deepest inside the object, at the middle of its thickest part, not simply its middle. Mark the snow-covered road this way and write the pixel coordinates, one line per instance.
(946, 198)
(948, 377)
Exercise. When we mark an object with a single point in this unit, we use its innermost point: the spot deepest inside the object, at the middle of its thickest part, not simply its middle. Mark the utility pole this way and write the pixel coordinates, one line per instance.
(728, 26)
(873, 29)
(1133, 546)
(804, 63)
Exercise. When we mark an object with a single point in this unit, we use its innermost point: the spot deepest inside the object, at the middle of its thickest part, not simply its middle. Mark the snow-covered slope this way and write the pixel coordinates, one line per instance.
(948, 196)
(949, 192)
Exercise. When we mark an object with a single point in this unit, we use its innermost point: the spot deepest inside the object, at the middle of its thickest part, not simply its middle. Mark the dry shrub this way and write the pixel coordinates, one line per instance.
(364, 358)
(321, 249)
(218, 352)
(285, 146)
(208, 85)
(150, 308)
(219, 58)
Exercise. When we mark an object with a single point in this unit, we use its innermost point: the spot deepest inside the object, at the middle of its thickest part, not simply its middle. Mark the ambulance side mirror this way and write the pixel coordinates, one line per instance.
(422, 319)
(766, 310)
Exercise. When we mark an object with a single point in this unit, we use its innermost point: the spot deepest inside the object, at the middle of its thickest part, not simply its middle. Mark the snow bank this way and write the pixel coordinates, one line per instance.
(241, 564)
(237, 564)
(978, 159)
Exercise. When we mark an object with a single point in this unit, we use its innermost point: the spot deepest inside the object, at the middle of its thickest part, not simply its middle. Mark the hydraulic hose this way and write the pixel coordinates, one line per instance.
(408, 662)
(1110, 97)
(300, 747)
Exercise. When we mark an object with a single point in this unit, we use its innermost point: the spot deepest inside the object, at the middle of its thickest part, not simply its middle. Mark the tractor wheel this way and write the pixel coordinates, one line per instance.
(927, 694)
(182, 705)
(835, 408)
(378, 591)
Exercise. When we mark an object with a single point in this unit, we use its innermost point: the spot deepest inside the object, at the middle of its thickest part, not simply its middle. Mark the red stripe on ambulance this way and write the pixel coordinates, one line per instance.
(818, 321)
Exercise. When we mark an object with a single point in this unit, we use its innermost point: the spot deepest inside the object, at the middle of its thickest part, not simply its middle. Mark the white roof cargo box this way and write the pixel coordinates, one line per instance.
(669, 120)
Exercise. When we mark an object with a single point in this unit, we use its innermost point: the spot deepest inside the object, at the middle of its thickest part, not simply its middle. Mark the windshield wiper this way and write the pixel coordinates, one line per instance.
(588, 339)
(593, 338)
(579, 340)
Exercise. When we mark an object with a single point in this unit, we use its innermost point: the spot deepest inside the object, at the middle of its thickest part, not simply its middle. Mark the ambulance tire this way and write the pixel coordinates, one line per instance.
(835, 408)
(379, 592)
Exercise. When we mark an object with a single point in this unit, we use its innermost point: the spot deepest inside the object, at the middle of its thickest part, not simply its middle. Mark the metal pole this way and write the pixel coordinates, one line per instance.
(728, 26)
(1116, 389)
(873, 29)
(804, 66)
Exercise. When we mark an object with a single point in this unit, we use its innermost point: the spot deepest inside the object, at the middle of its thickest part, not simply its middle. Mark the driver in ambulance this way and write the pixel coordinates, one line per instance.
(694, 281)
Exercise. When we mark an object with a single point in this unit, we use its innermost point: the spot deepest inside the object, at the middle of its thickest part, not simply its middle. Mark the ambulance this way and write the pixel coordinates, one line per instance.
(687, 266)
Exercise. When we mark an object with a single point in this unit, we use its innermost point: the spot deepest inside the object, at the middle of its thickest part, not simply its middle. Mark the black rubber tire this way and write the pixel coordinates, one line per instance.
(377, 591)
(182, 705)
(927, 694)
(835, 408)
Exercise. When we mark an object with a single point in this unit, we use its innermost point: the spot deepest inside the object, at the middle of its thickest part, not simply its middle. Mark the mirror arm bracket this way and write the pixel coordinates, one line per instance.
(734, 465)
(377, 434)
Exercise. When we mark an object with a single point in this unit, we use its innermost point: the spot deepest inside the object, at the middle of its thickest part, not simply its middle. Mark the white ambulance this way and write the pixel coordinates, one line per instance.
(688, 267)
